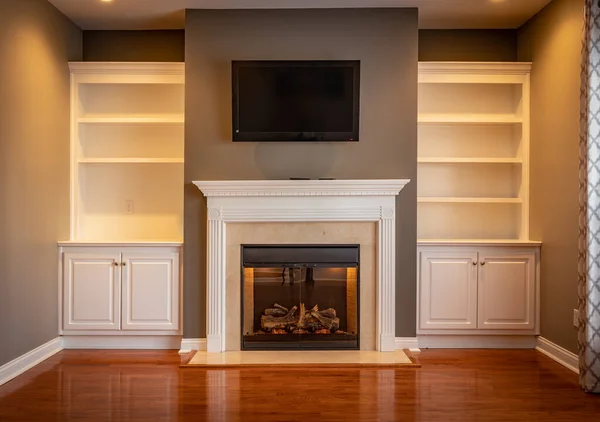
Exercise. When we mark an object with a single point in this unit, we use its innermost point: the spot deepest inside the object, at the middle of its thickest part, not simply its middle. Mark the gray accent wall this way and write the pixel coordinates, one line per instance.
(134, 46)
(552, 41)
(386, 42)
(36, 43)
(469, 45)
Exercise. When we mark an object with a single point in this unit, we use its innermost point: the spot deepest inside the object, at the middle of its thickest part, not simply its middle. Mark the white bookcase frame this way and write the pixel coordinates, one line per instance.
(139, 103)
(493, 99)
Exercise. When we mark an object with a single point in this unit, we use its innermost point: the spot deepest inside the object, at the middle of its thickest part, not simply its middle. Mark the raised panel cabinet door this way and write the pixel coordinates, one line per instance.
(150, 291)
(507, 291)
(91, 291)
(448, 290)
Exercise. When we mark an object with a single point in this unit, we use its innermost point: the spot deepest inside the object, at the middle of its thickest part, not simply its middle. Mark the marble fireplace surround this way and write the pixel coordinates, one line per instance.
(234, 205)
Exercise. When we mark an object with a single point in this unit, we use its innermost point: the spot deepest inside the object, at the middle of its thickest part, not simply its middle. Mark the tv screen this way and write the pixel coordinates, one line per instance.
(295, 100)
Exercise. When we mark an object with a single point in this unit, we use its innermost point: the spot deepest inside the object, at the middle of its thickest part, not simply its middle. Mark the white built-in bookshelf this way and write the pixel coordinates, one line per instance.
(473, 151)
(127, 142)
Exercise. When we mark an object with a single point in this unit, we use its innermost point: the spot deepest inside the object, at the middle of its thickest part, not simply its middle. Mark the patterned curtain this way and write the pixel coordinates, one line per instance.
(589, 199)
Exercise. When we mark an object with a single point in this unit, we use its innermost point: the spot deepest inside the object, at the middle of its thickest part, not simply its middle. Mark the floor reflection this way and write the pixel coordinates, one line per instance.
(231, 395)
(150, 386)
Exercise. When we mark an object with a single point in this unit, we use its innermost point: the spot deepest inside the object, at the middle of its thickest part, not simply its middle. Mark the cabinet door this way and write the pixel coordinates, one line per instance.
(506, 291)
(448, 290)
(150, 291)
(91, 291)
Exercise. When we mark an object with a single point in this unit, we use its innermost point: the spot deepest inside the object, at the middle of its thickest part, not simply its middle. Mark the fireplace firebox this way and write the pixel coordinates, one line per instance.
(300, 297)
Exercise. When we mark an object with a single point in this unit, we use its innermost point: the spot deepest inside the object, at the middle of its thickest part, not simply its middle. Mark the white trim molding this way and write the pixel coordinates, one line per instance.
(389, 187)
(17, 366)
(236, 201)
(495, 68)
(444, 341)
(120, 68)
(189, 344)
(559, 354)
(411, 343)
(122, 342)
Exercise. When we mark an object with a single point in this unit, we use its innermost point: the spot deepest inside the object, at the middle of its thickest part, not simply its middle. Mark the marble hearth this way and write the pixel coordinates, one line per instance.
(301, 211)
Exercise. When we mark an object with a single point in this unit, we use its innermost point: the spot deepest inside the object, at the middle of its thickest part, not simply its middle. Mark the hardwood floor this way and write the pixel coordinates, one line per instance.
(452, 385)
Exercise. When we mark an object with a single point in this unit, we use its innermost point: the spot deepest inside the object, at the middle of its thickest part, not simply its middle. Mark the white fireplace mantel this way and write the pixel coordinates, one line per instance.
(234, 201)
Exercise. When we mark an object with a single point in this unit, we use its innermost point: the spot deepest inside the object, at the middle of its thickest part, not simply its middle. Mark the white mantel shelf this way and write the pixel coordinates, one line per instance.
(235, 201)
(385, 187)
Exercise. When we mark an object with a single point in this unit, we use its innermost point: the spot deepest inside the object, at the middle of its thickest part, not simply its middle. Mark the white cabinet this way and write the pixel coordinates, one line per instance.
(92, 284)
(478, 289)
(449, 290)
(116, 289)
(150, 291)
(506, 291)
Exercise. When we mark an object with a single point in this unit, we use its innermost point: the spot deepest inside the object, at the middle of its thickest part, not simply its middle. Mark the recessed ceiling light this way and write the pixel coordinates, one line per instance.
(106, 1)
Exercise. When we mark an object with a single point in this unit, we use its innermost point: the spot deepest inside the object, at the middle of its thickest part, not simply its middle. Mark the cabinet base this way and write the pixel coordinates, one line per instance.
(121, 342)
(477, 342)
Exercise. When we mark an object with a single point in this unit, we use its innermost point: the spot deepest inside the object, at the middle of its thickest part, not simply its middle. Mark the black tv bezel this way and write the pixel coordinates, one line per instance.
(238, 136)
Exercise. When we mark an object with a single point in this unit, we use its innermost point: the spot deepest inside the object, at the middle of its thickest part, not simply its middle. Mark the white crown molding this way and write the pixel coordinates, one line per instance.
(301, 201)
(128, 68)
(559, 354)
(17, 366)
(496, 68)
(386, 187)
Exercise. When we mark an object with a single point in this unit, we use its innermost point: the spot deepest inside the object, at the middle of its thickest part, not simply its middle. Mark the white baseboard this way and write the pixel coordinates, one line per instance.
(189, 344)
(477, 342)
(559, 354)
(24, 362)
(411, 343)
(121, 342)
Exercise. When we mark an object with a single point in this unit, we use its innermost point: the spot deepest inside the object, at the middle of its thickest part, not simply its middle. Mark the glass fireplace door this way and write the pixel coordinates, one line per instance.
(300, 297)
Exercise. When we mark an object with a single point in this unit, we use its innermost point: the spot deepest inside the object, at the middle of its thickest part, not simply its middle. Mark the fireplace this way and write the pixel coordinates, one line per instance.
(325, 212)
(300, 297)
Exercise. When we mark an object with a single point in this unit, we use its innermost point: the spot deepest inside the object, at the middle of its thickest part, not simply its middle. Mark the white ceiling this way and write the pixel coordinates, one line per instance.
(169, 14)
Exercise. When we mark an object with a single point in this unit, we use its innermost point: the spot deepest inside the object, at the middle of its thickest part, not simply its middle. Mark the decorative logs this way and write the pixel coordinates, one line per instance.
(275, 312)
(268, 322)
(283, 308)
(280, 320)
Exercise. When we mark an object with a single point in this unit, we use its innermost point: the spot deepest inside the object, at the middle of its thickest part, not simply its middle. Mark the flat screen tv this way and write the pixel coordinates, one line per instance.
(295, 100)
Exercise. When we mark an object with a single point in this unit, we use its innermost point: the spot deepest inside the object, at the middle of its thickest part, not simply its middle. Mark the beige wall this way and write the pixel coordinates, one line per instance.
(134, 46)
(552, 41)
(36, 41)
(468, 45)
(385, 40)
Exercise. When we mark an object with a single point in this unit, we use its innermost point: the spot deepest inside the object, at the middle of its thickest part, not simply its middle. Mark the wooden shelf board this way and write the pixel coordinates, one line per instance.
(118, 243)
(464, 200)
(482, 119)
(469, 160)
(478, 242)
(171, 120)
(131, 161)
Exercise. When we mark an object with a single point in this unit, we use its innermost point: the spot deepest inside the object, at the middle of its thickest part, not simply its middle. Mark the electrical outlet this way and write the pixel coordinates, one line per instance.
(129, 207)
(575, 317)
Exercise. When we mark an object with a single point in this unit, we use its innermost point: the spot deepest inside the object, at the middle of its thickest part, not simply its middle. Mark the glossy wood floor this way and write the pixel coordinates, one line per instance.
(452, 385)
